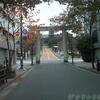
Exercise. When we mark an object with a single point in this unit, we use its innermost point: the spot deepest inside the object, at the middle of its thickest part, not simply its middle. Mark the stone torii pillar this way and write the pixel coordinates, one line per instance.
(38, 49)
(65, 45)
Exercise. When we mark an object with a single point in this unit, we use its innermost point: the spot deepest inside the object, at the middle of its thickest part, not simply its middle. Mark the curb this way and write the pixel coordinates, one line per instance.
(86, 69)
(12, 80)
(91, 70)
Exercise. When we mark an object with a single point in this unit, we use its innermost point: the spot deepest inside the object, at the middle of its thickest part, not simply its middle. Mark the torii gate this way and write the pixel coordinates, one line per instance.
(51, 32)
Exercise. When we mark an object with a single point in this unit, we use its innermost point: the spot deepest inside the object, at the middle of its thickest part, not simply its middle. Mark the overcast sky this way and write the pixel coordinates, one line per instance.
(48, 11)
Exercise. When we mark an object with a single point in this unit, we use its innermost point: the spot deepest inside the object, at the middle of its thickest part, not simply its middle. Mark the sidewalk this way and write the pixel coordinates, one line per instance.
(19, 72)
(86, 66)
(78, 62)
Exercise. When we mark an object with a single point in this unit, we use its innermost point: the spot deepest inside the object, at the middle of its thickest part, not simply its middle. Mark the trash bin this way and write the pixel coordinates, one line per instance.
(98, 65)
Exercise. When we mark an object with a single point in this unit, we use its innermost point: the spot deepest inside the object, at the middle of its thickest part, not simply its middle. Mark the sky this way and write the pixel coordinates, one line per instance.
(45, 12)
(48, 11)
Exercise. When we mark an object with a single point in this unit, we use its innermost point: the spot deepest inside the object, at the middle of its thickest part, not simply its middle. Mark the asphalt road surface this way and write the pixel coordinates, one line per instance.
(54, 80)
(47, 54)
(57, 81)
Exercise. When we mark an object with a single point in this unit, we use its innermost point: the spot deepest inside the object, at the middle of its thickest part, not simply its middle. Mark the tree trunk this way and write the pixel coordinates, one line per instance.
(7, 39)
(72, 53)
(32, 55)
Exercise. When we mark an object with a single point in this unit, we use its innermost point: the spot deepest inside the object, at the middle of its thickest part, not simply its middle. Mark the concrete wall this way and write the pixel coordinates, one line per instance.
(97, 45)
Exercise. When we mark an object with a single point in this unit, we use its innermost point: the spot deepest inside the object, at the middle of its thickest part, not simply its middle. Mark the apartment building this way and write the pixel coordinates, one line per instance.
(6, 31)
(97, 38)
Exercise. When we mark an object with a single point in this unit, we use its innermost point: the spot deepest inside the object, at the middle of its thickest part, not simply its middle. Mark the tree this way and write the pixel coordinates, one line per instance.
(70, 22)
(52, 41)
(18, 7)
(86, 12)
(32, 37)
(83, 45)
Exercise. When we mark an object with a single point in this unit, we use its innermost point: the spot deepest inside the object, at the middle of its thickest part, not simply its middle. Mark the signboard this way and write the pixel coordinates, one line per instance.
(24, 31)
(17, 36)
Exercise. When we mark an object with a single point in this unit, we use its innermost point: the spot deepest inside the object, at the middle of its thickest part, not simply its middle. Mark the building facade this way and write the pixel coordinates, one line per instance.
(97, 35)
(6, 35)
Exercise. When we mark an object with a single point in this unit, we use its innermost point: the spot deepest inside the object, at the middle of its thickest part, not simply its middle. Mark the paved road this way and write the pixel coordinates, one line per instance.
(47, 54)
(57, 81)
(54, 80)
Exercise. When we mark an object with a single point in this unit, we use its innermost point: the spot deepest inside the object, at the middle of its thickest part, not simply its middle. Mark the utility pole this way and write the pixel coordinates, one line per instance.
(91, 43)
(7, 38)
(21, 43)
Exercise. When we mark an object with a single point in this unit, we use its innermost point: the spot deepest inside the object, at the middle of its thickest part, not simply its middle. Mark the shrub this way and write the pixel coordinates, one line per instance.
(84, 47)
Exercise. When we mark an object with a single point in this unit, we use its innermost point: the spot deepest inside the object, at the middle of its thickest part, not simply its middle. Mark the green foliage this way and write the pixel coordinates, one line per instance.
(84, 47)
(52, 41)
(78, 11)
